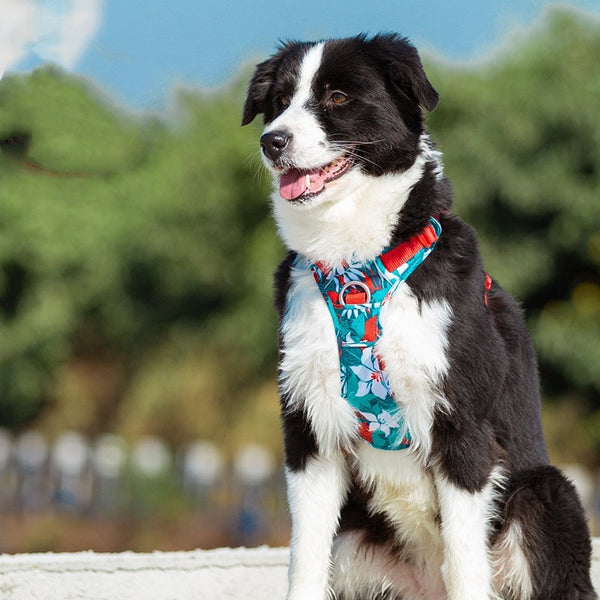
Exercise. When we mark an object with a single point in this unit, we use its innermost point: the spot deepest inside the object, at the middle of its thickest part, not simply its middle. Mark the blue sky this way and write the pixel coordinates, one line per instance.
(137, 50)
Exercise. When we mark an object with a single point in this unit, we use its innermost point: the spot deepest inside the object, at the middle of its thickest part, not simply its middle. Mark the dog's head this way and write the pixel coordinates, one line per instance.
(338, 109)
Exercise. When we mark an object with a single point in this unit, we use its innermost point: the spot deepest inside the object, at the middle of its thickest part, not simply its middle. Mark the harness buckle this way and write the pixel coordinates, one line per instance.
(351, 284)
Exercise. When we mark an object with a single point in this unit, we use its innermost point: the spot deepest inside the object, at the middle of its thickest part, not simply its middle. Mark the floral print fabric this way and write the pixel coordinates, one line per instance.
(355, 295)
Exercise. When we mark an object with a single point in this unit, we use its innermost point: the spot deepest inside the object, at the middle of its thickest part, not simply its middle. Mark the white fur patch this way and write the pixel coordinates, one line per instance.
(310, 65)
(315, 496)
(512, 574)
(310, 367)
(403, 490)
(352, 219)
(432, 155)
(363, 570)
(466, 518)
(413, 347)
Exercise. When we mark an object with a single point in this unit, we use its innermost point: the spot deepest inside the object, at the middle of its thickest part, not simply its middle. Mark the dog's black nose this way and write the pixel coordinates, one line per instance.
(274, 143)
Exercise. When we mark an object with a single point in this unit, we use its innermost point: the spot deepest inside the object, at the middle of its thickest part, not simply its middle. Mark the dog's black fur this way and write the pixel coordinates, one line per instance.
(492, 381)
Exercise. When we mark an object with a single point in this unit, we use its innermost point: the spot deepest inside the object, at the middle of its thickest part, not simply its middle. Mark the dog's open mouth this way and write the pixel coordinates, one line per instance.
(297, 184)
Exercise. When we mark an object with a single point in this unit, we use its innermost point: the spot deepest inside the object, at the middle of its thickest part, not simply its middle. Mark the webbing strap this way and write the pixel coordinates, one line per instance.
(402, 253)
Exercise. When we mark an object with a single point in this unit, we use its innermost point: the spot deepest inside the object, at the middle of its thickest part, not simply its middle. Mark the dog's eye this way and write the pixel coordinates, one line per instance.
(339, 98)
(284, 100)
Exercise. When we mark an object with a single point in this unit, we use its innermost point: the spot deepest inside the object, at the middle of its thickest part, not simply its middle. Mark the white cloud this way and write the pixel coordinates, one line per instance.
(16, 31)
(55, 30)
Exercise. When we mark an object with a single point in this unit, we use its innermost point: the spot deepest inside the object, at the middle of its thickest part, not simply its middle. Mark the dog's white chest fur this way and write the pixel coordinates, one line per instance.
(405, 493)
(412, 346)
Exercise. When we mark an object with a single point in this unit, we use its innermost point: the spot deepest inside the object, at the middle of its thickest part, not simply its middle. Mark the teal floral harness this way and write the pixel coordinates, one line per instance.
(355, 294)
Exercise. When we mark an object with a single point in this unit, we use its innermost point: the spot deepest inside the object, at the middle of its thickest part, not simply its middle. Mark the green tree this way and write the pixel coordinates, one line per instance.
(121, 236)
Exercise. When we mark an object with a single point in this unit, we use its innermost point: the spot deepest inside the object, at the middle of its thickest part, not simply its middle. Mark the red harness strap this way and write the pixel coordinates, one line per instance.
(488, 286)
(404, 252)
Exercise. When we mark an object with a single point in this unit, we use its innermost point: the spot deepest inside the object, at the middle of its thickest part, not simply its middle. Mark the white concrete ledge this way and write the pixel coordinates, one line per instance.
(216, 575)
(224, 574)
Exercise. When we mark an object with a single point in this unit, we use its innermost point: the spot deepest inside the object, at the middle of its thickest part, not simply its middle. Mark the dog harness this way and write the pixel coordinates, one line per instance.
(355, 294)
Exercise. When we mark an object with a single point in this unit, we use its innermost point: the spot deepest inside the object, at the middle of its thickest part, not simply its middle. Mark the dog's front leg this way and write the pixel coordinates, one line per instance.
(465, 517)
(315, 495)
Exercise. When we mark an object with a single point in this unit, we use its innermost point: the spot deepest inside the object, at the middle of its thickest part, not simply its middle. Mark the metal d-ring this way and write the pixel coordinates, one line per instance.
(359, 284)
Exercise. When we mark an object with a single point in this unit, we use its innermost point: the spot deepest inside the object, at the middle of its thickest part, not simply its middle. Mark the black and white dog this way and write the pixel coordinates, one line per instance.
(471, 510)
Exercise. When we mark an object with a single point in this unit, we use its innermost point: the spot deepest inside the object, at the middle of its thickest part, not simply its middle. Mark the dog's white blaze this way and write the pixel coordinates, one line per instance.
(310, 368)
(308, 146)
(465, 517)
(308, 69)
(512, 572)
(315, 497)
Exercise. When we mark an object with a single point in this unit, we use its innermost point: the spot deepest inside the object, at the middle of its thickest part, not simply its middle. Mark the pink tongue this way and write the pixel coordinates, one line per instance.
(294, 183)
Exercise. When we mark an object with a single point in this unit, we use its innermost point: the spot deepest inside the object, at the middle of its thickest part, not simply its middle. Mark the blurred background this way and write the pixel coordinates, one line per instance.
(138, 405)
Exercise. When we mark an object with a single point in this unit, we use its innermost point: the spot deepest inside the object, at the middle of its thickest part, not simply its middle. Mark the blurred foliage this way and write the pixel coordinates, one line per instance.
(129, 281)
(136, 251)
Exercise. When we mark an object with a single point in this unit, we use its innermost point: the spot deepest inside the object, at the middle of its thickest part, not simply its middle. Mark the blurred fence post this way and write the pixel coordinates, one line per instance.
(70, 468)
(151, 474)
(32, 462)
(202, 468)
(150, 457)
(8, 472)
(254, 465)
(108, 464)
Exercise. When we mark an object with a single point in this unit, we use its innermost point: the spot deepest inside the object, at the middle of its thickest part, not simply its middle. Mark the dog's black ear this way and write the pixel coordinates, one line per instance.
(406, 70)
(257, 90)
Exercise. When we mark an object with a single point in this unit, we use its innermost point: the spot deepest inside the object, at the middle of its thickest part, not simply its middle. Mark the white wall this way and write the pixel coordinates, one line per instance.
(225, 574)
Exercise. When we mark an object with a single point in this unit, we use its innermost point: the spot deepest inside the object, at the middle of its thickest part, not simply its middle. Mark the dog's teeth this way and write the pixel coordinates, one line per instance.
(307, 181)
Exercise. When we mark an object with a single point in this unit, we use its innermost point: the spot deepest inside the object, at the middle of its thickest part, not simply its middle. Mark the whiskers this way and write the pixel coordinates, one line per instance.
(346, 147)
(349, 148)
(261, 175)
(357, 142)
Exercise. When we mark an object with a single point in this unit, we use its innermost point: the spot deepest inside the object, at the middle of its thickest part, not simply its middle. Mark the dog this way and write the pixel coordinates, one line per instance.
(444, 489)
